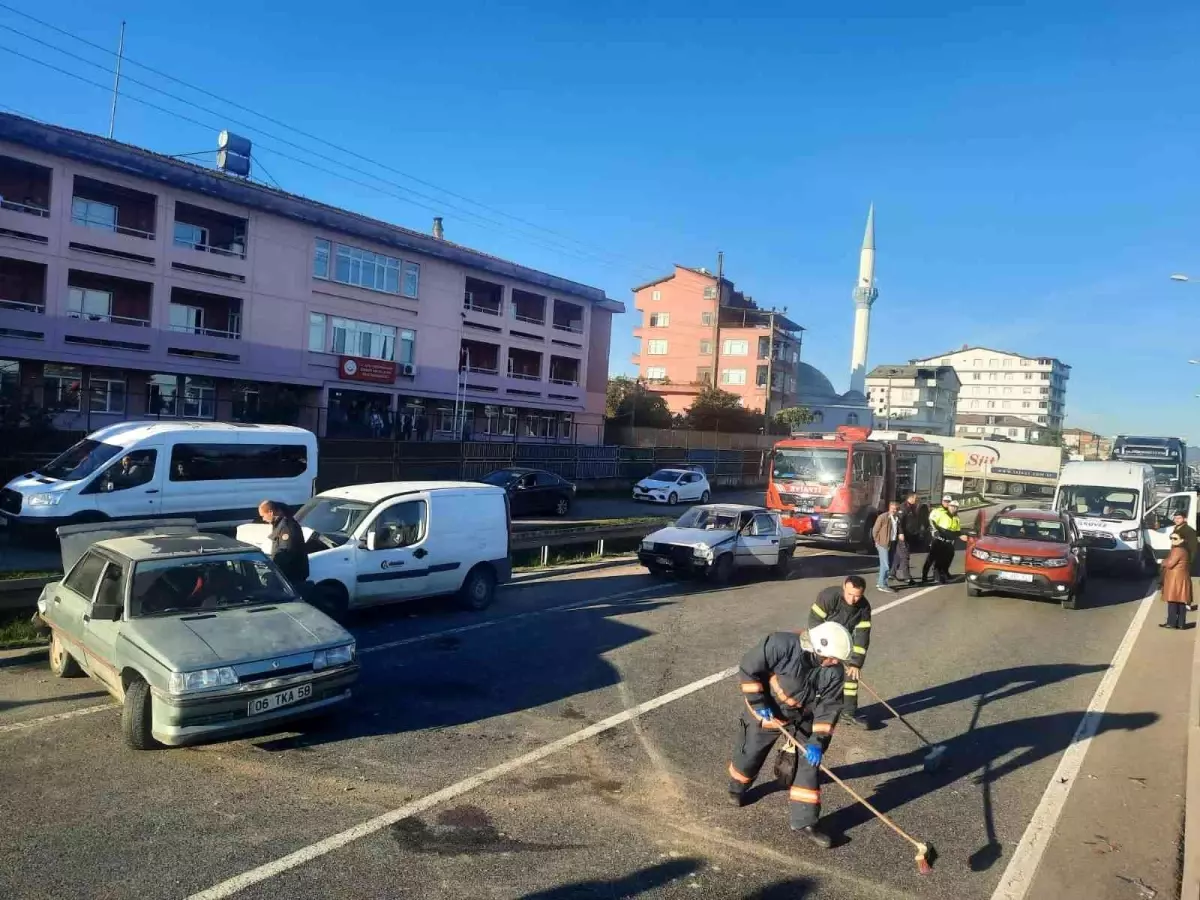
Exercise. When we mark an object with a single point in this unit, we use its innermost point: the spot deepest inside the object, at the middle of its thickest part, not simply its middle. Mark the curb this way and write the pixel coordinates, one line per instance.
(1191, 806)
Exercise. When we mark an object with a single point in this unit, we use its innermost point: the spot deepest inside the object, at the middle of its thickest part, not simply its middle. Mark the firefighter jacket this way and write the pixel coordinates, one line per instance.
(778, 673)
(946, 525)
(831, 606)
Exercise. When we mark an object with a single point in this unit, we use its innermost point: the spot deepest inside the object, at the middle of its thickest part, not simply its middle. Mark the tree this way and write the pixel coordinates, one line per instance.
(630, 403)
(718, 410)
(792, 417)
(1049, 438)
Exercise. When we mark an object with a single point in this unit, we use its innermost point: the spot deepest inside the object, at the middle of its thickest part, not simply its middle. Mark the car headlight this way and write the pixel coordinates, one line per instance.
(186, 682)
(647, 545)
(1131, 535)
(703, 551)
(45, 499)
(1056, 563)
(334, 656)
(980, 554)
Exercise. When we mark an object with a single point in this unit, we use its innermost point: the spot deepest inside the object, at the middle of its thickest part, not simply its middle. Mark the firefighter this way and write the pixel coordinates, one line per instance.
(287, 542)
(791, 679)
(847, 605)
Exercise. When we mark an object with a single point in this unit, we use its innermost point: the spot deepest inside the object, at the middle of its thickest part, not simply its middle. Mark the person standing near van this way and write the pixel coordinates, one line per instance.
(885, 534)
(908, 537)
(1190, 543)
(287, 542)
(1176, 584)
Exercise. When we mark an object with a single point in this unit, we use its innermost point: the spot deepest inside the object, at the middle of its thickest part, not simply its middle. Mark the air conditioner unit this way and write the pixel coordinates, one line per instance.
(408, 369)
(468, 298)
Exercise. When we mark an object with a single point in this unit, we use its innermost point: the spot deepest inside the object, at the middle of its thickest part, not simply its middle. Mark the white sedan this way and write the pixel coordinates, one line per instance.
(673, 485)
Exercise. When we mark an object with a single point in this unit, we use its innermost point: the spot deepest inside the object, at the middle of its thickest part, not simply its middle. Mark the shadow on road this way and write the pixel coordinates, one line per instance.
(792, 889)
(630, 886)
(9, 705)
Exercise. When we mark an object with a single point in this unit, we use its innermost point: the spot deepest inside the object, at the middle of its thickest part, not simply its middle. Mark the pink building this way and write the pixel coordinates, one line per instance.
(133, 285)
(690, 328)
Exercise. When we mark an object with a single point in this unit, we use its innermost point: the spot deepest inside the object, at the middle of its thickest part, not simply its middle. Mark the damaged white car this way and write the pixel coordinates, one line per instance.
(717, 539)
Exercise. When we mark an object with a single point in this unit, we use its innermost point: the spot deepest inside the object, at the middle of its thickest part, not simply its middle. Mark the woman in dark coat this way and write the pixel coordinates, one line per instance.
(1176, 583)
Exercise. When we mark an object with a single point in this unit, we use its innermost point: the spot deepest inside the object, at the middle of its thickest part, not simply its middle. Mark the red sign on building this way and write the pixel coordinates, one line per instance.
(357, 368)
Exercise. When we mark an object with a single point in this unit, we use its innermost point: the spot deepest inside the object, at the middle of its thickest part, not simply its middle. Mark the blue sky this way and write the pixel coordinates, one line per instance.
(1033, 165)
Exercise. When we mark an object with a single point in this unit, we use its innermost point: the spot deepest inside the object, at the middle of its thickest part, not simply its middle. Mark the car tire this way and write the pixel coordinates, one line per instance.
(478, 589)
(672, 499)
(656, 570)
(1071, 601)
(562, 506)
(332, 599)
(62, 663)
(783, 566)
(704, 498)
(722, 569)
(973, 591)
(136, 716)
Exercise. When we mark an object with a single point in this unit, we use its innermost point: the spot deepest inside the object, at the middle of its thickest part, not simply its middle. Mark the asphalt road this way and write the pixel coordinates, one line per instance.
(635, 809)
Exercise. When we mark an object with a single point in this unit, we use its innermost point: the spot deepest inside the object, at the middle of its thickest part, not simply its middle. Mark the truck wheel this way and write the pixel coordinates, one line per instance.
(136, 716)
(62, 663)
(1016, 490)
(783, 567)
(478, 589)
(722, 569)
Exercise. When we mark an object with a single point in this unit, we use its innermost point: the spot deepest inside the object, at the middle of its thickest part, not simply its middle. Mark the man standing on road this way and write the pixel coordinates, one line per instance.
(884, 533)
(931, 559)
(1190, 543)
(847, 605)
(947, 531)
(908, 536)
(791, 679)
(287, 542)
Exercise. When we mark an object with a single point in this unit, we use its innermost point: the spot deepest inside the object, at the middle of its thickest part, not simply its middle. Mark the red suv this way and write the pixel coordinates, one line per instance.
(1034, 552)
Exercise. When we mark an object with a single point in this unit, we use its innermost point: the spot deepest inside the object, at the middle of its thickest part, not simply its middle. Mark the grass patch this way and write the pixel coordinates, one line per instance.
(15, 632)
(39, 573)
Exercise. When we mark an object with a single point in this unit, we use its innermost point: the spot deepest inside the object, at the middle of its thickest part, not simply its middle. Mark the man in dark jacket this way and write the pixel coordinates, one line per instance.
(287, 542)
(847, 605)
(791, 681)
(908, 539)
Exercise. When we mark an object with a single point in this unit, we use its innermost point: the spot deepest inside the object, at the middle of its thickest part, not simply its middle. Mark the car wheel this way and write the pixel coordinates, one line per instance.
(655, 569)
(783, 566)
(704, 497)
(562, 506)
(62, 663)
(136, 716)
(673, 499)
(973, 591)
(478, 589)
(722, 569)
(1071, 601)
(332, 599)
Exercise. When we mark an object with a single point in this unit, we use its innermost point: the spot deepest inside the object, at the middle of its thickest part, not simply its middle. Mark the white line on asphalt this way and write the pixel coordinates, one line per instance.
(57, 717)
(231, 886)
(1018, 876)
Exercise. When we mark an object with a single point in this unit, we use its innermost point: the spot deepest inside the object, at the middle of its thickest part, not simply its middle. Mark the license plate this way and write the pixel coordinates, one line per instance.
(662, 560)
(298, 694)
(1014, 576)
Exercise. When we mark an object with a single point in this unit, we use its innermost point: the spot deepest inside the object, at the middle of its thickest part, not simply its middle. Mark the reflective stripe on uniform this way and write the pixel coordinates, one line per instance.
(822, 728)
(861, 651)
(850, 688)
(804, 795)
(738, 776)
(863, 625)
(779, 692)
(820, 612)
(751, 687)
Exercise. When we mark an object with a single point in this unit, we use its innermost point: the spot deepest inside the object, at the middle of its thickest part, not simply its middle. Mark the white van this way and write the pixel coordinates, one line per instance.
(213, 472)
(1114, 506)
(371, 544)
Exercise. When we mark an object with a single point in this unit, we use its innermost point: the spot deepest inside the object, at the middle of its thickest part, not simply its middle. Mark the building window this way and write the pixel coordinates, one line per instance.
(407, 351)
(1008, 362)
(991, 404)
(1026, 362)
(704, 375)
(93, 214)
(187, 318)
(660, 320)
(760, 376)
(316, 333)
(733, 347)
(187, 397)
(193, 236)
(412, 279)
(1042, 420)
(656, 296)
(321, 259)
(656, 373)
(362, 268)
(977, 363)
(710, 293)
(764, 347)
(106, 392)
(733, 376)
(1012, 432)
(88, 304)
(852, 418)
(656, 348)
(945, 361)
(61, 391)
(706, 318)
(706, 348)
(353, 338)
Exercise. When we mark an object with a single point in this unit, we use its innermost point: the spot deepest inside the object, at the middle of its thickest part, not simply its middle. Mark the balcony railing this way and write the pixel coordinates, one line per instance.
(477, 307)
(530, 320)
(17, 306)
(575, 329)
(524, 377)
(103, 225)
(235, 251)
(105, 317)
(235, 335)
(569, 382)
(27, 208)
(480, 370)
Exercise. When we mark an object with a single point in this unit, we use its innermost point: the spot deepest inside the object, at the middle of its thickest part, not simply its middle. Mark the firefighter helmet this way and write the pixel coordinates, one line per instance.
(827, 639)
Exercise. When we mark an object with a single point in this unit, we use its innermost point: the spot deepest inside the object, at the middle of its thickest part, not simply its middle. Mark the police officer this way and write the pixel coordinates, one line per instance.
(847, 605)
(287, 542)
(793, 681)
(947, 530)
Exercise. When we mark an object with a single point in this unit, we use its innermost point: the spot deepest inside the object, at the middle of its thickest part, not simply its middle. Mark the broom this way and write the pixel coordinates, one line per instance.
(937, 753)
(925, 853)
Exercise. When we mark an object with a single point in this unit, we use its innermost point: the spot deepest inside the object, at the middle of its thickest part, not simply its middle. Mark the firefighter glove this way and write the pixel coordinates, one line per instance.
(813, 755)
(765, 715)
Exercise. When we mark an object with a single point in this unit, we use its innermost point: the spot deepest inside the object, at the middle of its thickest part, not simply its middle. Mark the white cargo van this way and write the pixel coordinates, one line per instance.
(1114, 507)
(371, 544)
(213, 472)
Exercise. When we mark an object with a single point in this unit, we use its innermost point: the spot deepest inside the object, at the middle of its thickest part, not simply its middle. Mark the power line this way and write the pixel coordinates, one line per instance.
(258, 162)
(292, 128)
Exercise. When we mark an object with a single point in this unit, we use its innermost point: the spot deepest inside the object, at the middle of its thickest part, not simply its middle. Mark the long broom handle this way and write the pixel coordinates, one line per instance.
(853, 793)
(892, 710)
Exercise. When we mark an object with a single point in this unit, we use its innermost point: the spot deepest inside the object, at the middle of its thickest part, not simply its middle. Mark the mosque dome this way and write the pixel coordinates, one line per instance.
(812, 385)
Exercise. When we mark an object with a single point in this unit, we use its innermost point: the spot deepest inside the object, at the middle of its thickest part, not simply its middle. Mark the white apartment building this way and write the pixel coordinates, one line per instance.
(919, 399)
(999, 383)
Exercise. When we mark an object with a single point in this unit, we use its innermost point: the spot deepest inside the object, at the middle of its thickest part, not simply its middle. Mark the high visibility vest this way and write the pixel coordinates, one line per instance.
(941, 518)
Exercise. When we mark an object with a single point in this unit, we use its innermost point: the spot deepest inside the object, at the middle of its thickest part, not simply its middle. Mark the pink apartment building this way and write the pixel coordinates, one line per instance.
(692, 327)
(133, 285)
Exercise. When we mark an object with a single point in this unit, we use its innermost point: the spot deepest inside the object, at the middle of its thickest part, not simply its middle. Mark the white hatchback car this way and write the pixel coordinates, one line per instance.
(670, 486)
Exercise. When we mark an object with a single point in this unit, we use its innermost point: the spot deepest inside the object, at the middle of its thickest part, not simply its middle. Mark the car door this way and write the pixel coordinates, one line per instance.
(544, 491)
(1158, 523)
(130, 490)
(760, 541)
(391, 558)
(100, 635)
(72, 599)
(524, 495)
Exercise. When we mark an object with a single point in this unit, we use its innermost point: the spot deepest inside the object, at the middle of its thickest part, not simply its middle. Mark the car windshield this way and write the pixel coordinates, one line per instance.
(668, 475)
(80, 461)
(162, 587)
(501, 478)
(1048, 530)
(708, 518)
(1097, 502)
(332, 517)
(819, 465)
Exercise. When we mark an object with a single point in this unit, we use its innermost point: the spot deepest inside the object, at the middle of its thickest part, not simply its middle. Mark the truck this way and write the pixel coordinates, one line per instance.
(993, 468)
(1166, 455)
(832, 487)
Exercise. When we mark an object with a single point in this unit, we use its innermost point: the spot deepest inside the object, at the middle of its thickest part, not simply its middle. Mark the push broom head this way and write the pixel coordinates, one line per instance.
(935, 758)
(925, 855)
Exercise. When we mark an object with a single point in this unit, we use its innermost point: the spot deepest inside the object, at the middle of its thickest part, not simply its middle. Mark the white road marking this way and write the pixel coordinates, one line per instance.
(57, 717)
(1019, 875)
(269, 870)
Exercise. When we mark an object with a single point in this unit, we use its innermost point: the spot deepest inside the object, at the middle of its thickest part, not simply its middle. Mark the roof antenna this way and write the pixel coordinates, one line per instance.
(112, 116)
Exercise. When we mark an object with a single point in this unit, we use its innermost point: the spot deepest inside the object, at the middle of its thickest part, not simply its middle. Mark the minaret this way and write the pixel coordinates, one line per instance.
(864, 299)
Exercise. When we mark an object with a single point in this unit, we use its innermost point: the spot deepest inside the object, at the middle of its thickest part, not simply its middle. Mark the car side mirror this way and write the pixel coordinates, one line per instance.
(107, 612)
(372, 539)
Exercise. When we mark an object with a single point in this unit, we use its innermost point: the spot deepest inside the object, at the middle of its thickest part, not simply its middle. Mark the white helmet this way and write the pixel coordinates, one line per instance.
(827, 639)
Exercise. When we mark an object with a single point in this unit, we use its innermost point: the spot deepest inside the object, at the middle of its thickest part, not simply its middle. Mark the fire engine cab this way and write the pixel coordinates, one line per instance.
(832, 487)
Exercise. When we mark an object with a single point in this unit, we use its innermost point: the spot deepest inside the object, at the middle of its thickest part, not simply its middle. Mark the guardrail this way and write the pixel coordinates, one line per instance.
(22, 593)
(564, 537)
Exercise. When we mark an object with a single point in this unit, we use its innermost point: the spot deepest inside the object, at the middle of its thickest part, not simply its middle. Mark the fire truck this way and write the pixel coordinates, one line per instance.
(833, 487)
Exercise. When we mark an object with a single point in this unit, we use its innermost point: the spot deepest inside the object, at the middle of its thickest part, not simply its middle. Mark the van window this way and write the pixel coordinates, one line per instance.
(80, 461)
(134, 469)
(401, 525)
(84, 576)
(237, 462)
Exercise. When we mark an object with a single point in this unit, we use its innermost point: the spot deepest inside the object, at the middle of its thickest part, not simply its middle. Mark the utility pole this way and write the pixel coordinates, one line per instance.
(770, 366)
(717, 318)
(112, 116)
